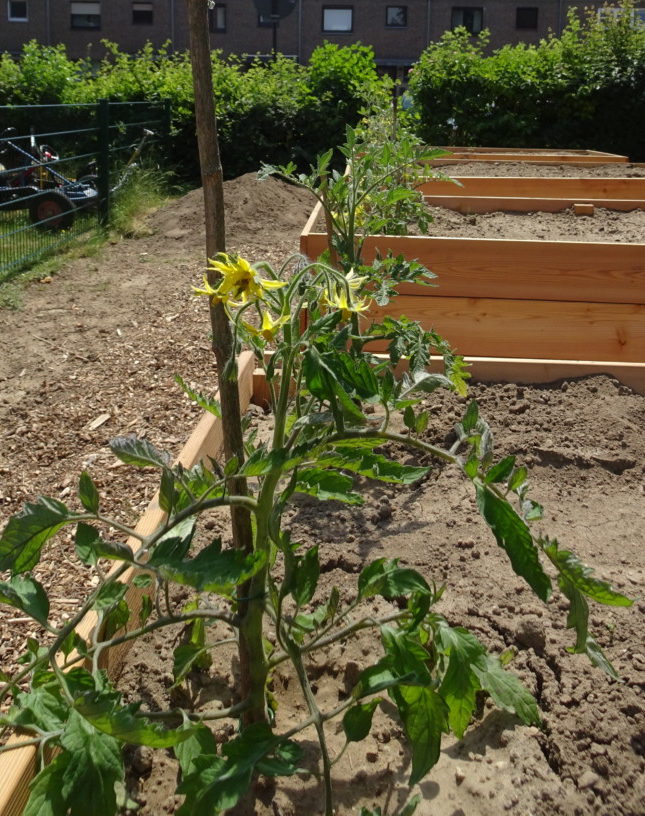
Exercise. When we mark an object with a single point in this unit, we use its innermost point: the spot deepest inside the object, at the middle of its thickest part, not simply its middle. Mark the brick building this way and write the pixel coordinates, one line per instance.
(397, 32)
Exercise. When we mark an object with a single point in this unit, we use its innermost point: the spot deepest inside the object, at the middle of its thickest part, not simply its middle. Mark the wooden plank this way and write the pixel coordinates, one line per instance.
(531, 329)
(579, 189)
(469, 205)
(18, 767)
(489, 267)
(542, 156)
(528, 151)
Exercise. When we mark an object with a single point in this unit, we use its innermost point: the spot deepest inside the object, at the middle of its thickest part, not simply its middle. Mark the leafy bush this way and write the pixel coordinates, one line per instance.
(584, 89)
(279, 111)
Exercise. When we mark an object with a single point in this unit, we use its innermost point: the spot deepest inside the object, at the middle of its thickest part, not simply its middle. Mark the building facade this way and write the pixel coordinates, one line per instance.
(398, 32)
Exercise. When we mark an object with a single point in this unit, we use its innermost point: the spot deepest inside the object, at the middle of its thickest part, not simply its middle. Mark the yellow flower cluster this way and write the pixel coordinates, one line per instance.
(342, 296)
(240, 282)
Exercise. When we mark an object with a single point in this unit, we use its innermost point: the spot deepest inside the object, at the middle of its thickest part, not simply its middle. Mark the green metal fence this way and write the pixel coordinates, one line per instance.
(61, 167)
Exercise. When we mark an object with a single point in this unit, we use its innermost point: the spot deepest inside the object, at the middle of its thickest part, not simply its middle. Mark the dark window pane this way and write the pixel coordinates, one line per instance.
(396, 16)
(467, 17)
(526, 17)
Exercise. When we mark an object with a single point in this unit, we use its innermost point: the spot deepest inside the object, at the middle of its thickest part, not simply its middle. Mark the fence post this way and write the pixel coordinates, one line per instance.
(103, 160)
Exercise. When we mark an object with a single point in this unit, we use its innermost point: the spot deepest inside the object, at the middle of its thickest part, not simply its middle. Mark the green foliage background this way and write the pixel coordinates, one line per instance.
(584, 89)
(277, 112)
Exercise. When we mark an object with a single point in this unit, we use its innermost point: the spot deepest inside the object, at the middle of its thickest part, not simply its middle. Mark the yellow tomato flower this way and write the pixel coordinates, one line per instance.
(208, 291)
(338, 299)
(269, 327)
(240, 281)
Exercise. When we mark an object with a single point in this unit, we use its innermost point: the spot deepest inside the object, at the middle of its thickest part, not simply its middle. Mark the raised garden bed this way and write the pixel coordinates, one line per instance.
(18, 767)
(489, 194)
(546, 309)
(542, 156)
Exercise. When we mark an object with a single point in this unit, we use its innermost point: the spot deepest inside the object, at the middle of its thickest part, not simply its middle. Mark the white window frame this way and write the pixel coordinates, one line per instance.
(12, 18)
(638, 14)
(339, 28)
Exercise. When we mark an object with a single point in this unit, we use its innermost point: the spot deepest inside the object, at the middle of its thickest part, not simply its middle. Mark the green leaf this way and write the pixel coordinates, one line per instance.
(406, 654)
(200, 742)
(409, 417)
(386, 578)
(126, 724)
(459, 684)
(411, 806)
(425, 717)
(185, 657)
(142, 580)
(305, 578)
(27, 532)
(571, 569)
(213, 783)
(207, 403)
(211, 570)
(90, 546)
(501, 471)
(370, 464)
(327, 485)
(599, 659)
(284, 760)
(357, 721)
(518, 478)
(27, 595)
(138, 452)
(471, 417)
(425, 382)
(377, 678)
(115, 619)
(88, 493)
(167, 493)
(87, 782)
(506, 690)
(109, 595)
(512, 534)
(45, 797)
(42, 707)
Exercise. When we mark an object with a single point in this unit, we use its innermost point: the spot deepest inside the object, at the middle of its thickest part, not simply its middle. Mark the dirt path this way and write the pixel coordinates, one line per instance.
(93, 354)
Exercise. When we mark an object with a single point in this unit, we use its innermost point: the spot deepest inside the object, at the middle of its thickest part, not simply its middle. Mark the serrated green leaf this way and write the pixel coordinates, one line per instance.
(142, 580)
(506, 690)
(518, 478)
(512, 534)
(115, 619)
(357, 721)
(45, 796)
(212, 569)
(599, 659)
(146, 609)
(124, 723)
(42, 707)
(88, 493)
(26, 594)
(370, 464)
(200, 742)
(459, 684)
(471, 417)
(501, 471)
(471, 467)
(27, 532)
(411, 806)
(167, 493)
(327, 485)
(581, 576)
(386, 578)
(185, 657)
(377, 678)
(90, 546)
(138, 452)
(305, 576)
(284, 760)
(109, 595)
(425, 717)
(207, 403)
(96, 765)
(406, 654)
(409, 417)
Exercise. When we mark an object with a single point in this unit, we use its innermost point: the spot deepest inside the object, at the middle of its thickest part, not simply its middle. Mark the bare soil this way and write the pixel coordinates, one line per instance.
(92, 355)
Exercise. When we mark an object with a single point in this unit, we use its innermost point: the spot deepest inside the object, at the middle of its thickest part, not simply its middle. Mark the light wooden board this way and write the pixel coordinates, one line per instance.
(469, 205)
(578, 189)
(531, 270)
(488, 327)
(545, 156)
(18, 767)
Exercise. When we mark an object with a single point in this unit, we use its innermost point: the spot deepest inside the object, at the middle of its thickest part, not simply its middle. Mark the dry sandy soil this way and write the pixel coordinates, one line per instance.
(92, 355)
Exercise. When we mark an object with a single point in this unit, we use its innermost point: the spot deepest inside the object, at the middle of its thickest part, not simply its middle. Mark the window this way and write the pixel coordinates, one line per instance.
(607, 12)
(217, 18)
(338, 18)
(17, 11)
(142, 14)
(469, 18)
(265, 21)
(85, 15)
(526, 18)
(396, 16)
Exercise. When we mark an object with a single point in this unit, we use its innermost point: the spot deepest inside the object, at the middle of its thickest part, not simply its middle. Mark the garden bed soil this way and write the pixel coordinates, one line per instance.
(92, 355)
(529, 169)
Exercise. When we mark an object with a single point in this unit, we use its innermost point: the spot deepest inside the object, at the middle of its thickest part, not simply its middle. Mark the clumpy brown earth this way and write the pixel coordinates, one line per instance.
(92, 355)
